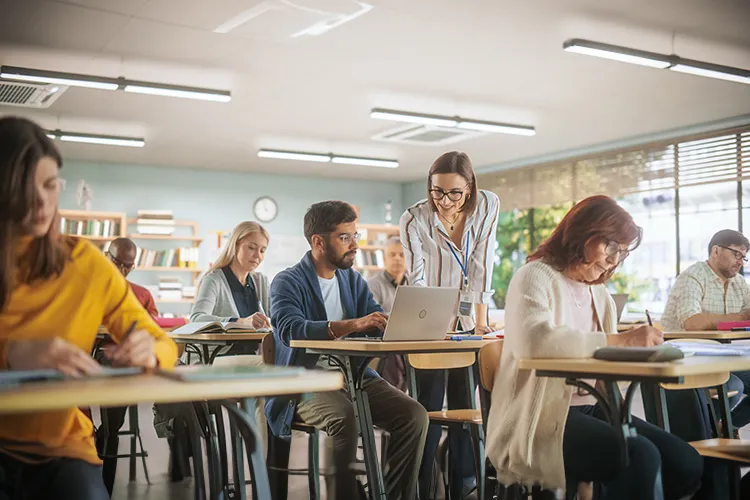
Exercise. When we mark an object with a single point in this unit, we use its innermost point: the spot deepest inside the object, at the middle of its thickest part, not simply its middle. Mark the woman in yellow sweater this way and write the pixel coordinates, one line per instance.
(55, 291)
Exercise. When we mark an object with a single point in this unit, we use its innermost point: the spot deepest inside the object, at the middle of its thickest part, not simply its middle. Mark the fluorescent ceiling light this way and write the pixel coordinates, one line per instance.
(325, 158)
(711, 73)
(72, 79)
(106, 140)
(497, 128)
(616, 53)
(365, 162)
(654, 60)
(175, 91)
(452, 122)
(402, 116)
(97, 82)
(291, 155)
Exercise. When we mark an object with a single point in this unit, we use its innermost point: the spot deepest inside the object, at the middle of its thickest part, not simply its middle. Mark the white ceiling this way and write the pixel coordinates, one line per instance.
(493, 60)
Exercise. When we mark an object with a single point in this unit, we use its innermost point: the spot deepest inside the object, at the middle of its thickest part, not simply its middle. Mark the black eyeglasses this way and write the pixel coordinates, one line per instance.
(613, 249)
(438, 194)
(737, 254)
(125, 267)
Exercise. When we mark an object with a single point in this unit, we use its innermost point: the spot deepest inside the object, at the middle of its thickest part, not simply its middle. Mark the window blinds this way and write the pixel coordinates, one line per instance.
(710, 158)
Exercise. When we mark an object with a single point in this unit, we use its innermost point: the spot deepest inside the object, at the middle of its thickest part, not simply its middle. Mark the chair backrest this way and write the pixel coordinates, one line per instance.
(489, 362)
(441, 361)
(698, 381)
(267, 350)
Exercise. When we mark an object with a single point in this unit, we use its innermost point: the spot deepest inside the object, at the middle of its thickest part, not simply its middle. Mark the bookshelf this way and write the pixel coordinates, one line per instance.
(99, 227)
(372, 246)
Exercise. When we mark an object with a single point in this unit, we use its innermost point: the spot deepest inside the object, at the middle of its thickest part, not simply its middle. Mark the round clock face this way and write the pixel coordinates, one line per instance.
(265, 209)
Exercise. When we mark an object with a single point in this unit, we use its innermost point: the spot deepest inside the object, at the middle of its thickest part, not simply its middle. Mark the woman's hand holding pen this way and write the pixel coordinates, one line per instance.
(135, 349)
(257, 320)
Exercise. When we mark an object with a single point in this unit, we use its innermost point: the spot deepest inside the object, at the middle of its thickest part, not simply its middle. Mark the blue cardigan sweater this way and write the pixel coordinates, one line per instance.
(298, 313)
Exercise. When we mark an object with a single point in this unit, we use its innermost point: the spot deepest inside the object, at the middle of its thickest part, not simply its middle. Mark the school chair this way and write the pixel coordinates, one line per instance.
(470, 419)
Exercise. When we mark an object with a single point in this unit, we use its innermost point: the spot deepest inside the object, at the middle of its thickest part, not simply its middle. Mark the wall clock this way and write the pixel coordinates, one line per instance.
(265, 209)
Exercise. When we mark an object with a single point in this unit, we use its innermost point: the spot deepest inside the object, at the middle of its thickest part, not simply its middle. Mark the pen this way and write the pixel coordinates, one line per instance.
(466, 337)
(130, 330)
(648, 317)
(741, 329)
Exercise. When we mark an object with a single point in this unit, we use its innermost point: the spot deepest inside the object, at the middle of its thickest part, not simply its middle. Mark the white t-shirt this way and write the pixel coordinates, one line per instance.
(334, 308)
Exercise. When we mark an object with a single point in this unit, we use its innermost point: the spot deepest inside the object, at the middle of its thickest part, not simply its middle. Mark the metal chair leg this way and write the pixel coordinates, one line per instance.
(313, 465)
(133, 422)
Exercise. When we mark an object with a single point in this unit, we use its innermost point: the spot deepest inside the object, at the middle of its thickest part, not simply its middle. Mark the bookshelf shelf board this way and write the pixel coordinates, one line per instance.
(380, 228)
(371, 247)
(369, 268)
(93, 238)
(174, 301)
(157, 268)
(134, 222)
(167, 237)
(88, 215)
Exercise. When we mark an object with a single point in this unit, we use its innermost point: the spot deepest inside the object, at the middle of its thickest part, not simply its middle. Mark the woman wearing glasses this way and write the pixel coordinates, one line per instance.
(449, 240)
(558, 307)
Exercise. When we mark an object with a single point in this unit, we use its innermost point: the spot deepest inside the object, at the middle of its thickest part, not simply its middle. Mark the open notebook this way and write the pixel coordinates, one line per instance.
(200, 373)
(217, 327)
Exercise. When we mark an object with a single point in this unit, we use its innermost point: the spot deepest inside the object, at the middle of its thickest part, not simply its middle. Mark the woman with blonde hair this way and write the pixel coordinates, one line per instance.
(232, 290)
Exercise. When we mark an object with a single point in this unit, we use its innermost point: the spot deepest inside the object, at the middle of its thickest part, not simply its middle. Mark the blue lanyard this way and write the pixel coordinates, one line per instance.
(465, 264)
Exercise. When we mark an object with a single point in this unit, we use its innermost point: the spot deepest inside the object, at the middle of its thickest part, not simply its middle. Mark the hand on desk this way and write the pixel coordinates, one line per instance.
(483, 329)
(137, 349)
(374, 321)
(642, 336)
(56, 354)
(257, 320)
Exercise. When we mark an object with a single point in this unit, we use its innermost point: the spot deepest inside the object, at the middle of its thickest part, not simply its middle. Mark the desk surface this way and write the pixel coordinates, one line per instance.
(370, 347)
(197, 338)
(123, 391)
(708, 334)
(694, 365)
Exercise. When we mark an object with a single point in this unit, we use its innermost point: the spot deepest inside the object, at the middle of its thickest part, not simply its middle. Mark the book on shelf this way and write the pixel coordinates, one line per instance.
(155, 222)
(91, 227)
(184, 258)
(370, 258)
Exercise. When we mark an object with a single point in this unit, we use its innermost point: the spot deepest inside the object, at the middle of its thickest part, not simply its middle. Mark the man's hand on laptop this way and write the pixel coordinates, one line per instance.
(374, 321)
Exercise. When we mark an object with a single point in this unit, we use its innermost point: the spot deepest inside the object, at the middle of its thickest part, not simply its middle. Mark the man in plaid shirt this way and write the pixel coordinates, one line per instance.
(713, 291)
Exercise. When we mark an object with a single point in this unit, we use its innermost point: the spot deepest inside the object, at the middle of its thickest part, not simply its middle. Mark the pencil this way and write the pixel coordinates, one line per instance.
(648, 317)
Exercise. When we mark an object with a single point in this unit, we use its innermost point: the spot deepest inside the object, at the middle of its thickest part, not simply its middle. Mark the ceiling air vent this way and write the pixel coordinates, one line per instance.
(426, 135)
(29, 95)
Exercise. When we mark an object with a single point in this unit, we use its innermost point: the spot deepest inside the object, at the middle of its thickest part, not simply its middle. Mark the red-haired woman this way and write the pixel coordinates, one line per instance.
(558, 307)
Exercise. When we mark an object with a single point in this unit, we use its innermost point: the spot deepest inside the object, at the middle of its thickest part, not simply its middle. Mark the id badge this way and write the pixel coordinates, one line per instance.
(464, 305)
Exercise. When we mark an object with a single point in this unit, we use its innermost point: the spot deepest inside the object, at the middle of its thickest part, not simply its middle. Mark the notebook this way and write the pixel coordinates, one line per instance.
(169, 322)
(728, 325)
(656, 354)
(14, 378)
(218, 327)
(703, 349)
(201, 373)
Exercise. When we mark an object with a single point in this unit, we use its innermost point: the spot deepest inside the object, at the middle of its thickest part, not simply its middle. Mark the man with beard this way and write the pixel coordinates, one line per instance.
(322, 298)
(710, 292)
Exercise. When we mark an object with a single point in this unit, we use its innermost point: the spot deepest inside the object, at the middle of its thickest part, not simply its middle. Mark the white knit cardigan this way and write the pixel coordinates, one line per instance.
(528, 413)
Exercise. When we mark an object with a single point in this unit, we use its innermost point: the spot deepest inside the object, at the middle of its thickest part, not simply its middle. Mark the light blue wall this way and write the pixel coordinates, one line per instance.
(218, 200)
(413, 192)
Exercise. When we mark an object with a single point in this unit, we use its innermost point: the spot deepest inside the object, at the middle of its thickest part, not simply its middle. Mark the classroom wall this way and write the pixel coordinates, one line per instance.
(412, 192)
(218, 200)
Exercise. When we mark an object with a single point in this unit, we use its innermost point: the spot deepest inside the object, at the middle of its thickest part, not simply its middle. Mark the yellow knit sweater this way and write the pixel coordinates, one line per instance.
(89, 292)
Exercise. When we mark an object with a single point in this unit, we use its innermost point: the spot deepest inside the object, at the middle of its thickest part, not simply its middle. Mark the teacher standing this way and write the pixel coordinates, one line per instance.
(449, 241)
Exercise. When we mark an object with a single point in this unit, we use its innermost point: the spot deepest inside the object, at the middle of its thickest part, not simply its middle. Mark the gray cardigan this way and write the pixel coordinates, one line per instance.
(215, 302)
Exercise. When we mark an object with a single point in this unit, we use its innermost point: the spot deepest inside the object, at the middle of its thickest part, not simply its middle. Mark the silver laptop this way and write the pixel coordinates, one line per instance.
(421, 313)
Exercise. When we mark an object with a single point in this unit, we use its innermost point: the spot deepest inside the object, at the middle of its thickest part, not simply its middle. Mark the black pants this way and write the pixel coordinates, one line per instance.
(59, 478)
(431, 387)
(657, 459)
(108, 443)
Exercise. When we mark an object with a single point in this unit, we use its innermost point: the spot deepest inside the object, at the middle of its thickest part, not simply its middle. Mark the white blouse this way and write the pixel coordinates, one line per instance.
(427, 247)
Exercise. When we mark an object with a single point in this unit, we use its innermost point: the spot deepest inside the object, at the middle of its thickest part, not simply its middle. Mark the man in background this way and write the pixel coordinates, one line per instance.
(383, 286)
(122, 252)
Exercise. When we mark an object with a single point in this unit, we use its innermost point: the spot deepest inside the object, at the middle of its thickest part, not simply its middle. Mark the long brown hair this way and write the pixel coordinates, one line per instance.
(23, 144)
(598, 219)
(454, 162)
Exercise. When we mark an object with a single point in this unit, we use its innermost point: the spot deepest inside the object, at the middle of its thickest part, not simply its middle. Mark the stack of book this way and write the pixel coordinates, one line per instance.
(186, 258)
(170, 288)
(188, 292)
(155, 222)
(103, 228)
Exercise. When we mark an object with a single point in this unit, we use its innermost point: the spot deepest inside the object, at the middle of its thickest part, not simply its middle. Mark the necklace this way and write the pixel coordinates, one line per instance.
(572, 290)
(451, 223)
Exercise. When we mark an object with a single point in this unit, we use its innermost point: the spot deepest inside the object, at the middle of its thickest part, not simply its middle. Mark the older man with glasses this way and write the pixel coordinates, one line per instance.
(712, 291)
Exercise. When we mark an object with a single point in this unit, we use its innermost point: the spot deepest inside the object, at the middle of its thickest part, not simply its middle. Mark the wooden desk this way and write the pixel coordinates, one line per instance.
(216, 339)
(343, 352)
(722, 336)
(126, 391)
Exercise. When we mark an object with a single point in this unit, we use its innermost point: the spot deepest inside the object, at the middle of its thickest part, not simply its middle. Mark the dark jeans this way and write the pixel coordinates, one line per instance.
(431, 387)
(58, 478)
(658, 461)
(740, 382)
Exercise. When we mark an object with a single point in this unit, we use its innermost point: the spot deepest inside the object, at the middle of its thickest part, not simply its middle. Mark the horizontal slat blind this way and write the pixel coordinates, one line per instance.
(723, 156)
